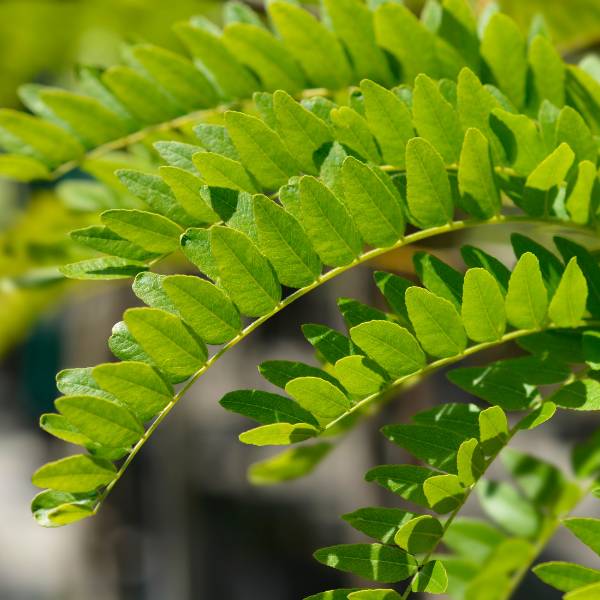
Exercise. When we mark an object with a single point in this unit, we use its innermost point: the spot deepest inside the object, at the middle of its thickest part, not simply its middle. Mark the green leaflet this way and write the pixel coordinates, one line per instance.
(420, 535)
(208, 311)
(166, 340)
(54, 509)
(214, 138)
(548, 71)
(437, 324)
(341, 594)
(351, 129)
(302, 132)
(432, 578)
(231, 78)
(444, 493)
(433, 445)
(470, 462)
(374, 595)
(359, 375)
(436, 120)
(428, 192)
(567, 306)
(178, 155)
(278, 434)
(261, 150)
(355, 312)
(393, 287)
(101, 420)
(390, 346)
(109, 267)
(457, 417)
(400, 32)
(280, 372)
(520, 138)
(143, 98)
(321, 398)
(483, 312)
(586, 530)
(283, 241)
(89, 120)
(136, 385)
(22, 168)
(404, 480)
(493, 429)
(124, 346)
(474, 257)
(61, 428)
(550, 266)
(79, 473)
(579, 395)
(331, 344)
(379, 523)
(220, 171)
(566, 576)
(107, 241)
(589, 267)
(439, 278)
(148, 287)
(309, 41)
(579, 200)
(185, 84)
(186, 187)
(36, 138)
(475, 104)
(389, 120)
(195, 245)
(539, 416)
(374, 207)
(150, 231)
(244, 272)
(509, 68)
(552, 170)
(591, 349)
(572, 129)
(327, 223)
(353, 24)
(80, 382)
(476, 178)
(265, 55)
(527, 299)
(266, 408)
(372, 561)
(288, 465)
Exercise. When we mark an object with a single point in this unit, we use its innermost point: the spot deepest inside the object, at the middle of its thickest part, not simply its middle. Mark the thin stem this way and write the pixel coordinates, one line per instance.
(176, 123)
(363, 258)
(512, 432)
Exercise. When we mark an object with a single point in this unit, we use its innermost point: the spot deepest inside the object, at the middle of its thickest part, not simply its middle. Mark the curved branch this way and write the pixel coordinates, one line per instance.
(333, 273)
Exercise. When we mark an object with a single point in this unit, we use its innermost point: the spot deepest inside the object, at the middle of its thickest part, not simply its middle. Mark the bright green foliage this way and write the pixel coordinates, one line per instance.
(483, 312)
(281, 193)
(373, 561)
(420, 535)
(526, 300)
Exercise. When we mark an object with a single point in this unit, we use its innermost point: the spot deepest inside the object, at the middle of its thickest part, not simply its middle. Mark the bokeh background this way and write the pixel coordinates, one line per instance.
(185, 523)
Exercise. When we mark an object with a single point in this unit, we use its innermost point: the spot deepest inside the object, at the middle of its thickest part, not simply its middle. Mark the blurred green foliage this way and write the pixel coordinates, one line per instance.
(573, 24)
(41, 40)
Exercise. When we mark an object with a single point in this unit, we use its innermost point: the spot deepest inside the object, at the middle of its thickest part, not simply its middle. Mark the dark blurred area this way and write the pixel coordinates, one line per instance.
(185, 523)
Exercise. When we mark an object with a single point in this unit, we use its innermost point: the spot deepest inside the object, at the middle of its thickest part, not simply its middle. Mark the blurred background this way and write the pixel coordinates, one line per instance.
(185, 523)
